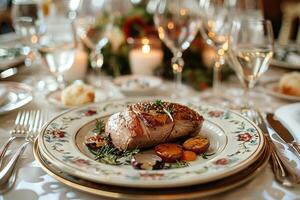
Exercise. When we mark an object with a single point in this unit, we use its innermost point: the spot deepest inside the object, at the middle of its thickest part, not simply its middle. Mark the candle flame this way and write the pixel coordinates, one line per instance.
(146, 49)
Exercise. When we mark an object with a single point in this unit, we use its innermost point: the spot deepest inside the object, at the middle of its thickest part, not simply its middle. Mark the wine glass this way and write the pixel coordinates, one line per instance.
(29, 25)
(93, 24)
(246, 9)
(250, 50)
(216, 17)
(177, 25)
(57, 45)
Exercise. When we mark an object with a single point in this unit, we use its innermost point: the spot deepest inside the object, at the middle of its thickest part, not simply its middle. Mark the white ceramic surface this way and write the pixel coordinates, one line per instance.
(18, 95)
(138, 84)
(236, 141)
(289, 116)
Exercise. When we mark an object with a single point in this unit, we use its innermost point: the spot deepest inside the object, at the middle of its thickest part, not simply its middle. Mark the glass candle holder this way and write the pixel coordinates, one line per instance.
(145, 55)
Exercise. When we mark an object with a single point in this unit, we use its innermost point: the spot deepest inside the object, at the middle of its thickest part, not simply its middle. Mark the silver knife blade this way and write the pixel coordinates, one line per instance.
(283, 132)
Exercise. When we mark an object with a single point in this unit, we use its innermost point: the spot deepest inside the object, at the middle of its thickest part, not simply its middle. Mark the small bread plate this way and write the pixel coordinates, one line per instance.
(11, 57)
(16, 96)
(235, 144)
(271, 88)
(135, 85)
(54, 99)
(287, 56)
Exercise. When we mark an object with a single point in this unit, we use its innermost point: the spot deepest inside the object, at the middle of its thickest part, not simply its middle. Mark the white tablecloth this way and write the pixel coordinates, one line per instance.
(33, 183)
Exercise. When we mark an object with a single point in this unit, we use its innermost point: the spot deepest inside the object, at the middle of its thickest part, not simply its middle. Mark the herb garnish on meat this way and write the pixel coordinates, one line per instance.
(108, 153)
(160, 105)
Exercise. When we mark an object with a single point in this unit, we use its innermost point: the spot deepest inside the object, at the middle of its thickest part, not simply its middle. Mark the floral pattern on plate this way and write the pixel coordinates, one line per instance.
(240, 143)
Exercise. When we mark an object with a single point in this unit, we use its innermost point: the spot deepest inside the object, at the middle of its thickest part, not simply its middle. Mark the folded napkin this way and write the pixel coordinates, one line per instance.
(289, 116)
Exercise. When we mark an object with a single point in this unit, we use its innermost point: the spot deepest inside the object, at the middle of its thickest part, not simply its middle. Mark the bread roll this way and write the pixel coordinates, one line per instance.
(290, 84)
(77, 94)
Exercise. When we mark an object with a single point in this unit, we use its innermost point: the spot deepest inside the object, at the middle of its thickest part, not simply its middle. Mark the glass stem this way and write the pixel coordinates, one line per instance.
(60, 81)
(217, 75)
(245, 98)
(177, 66)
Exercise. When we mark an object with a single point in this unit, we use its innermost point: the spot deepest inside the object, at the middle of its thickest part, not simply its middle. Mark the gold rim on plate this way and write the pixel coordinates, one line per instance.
(195, 191)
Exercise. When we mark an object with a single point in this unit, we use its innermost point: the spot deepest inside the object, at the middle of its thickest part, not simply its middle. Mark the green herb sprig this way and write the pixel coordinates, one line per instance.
(100, 127)
(168, 111)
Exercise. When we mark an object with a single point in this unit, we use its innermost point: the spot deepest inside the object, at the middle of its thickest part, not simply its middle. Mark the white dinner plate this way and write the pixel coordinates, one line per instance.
(235, 143)
(17, 95)
(271, 88)
(11, 57)
(138, 85)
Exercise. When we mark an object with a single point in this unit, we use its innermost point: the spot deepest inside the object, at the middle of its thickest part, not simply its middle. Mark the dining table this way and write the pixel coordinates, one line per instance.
(34, 183)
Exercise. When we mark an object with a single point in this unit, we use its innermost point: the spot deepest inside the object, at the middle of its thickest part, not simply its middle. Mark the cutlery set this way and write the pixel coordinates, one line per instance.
(284, 173)
(27, 126)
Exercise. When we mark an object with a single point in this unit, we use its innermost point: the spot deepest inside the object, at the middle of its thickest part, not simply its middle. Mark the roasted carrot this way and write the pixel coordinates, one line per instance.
(188, 156)
(169, 152)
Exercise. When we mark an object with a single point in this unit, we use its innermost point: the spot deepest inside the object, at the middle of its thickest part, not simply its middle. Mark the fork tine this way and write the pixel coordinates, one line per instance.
(17, 121)
(36, 121)
(22, 118)
(31, 121)
(42, 120)
(26, 119)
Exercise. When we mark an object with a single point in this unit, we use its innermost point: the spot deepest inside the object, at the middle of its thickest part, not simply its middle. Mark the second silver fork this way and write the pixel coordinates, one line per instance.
(8, 174)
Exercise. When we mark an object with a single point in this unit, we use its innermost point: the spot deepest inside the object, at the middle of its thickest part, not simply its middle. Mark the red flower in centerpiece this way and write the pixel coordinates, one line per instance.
(222, 161)
(136, 27)
(57, 133)
(202, 85)
(90, 112)
(133, 26)
(216, 113)
(244, 137)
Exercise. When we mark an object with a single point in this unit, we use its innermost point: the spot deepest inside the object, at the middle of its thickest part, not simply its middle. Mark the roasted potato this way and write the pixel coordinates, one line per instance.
(196, 144)
(188, 156)
(169, 152)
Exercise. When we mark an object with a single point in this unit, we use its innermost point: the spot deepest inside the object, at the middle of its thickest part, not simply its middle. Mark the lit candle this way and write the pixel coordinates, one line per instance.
(145, 58)
(79, 67)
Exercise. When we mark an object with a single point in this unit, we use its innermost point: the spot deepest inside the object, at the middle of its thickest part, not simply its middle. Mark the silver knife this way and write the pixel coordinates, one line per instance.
(283, 132)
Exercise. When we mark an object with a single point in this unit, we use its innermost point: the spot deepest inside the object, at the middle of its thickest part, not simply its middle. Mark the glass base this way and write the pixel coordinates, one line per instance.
(176, 92)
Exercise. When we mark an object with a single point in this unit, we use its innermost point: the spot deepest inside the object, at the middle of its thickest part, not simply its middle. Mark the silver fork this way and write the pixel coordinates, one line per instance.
(19, 131)
(282, 172)
(8, 174)
(293, 177)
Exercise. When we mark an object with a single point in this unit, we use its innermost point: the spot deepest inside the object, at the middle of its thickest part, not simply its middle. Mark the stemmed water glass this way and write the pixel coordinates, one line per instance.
(57, 45)
(177, 25)
(93, 23)
(216, 17)
(29, 25)
(250, 50)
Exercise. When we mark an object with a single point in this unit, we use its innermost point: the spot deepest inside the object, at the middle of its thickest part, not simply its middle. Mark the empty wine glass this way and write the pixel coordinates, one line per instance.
(29, 25)
(57, 45)
(250, 50)
(93, 23)
(177, 25)
(215, 25)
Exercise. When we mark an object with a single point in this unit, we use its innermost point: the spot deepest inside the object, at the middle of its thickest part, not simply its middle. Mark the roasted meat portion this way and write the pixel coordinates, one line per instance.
(147, 124)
